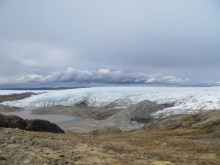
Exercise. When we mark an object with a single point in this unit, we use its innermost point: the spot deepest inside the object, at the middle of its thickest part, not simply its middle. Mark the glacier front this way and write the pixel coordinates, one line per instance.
(185, 99)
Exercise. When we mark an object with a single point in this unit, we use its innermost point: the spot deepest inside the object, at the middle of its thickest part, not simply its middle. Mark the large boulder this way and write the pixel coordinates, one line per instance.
(12, 122)
(30, 125)
(43, 126)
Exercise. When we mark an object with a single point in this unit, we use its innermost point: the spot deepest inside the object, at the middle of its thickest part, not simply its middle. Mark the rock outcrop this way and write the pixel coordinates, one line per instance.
(12, 122)
(206, 120)
(30, 125)
(134, 116)
(15, 96)
(141, 111)
(43, 126)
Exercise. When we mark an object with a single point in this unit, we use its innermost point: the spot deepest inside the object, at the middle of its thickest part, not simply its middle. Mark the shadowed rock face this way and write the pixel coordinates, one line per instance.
(30, 125)
(141, 111)
(12, 122)
(43, 125)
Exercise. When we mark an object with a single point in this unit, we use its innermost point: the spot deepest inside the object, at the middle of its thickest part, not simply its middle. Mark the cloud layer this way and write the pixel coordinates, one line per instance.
(134, 40)
(100, 76)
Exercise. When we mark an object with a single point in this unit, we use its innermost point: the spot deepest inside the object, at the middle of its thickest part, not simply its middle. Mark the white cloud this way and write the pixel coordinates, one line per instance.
(150, 80)
(42, 63)
(99, 76)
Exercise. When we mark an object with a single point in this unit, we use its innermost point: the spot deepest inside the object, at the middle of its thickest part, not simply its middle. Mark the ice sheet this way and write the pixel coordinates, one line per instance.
(185, 99)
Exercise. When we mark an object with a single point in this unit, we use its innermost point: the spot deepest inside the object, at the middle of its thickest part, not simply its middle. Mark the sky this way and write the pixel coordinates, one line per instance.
(93, 42)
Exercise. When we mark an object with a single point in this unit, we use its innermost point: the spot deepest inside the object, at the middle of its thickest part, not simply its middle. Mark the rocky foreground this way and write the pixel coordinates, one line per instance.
(183, 139)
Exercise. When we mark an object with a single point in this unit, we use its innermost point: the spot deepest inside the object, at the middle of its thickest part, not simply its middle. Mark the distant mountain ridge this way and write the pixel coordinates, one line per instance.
(43, 88)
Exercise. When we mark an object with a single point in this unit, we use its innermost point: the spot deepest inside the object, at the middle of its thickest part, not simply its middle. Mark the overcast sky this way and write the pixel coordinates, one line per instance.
(110, 41)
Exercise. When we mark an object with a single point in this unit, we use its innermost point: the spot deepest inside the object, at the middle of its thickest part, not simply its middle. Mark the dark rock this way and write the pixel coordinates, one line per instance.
(2, 158)
(43, 126)
(30, 125)
(167, 105)
(12, 122)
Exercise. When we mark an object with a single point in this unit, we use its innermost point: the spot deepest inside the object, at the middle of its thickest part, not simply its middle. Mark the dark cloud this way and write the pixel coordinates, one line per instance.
(100, 76)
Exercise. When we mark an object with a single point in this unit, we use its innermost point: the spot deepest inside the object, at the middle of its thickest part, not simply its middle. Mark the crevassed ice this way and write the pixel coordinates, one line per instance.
(185, 99)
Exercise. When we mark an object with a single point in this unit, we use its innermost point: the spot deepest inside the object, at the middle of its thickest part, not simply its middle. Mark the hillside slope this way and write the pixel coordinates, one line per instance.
(182, 139)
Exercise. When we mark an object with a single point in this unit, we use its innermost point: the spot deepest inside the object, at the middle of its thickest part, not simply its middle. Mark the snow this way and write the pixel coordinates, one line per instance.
(185, 99)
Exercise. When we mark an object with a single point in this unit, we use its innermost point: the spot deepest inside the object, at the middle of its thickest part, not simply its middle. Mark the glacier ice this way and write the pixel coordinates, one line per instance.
(185, 99)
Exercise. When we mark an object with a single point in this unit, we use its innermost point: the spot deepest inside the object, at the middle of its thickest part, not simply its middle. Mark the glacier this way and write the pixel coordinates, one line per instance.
(186, 100)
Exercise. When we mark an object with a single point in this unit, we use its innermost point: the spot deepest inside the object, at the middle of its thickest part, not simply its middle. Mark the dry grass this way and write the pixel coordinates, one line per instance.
(193, 141)
(179, 146)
